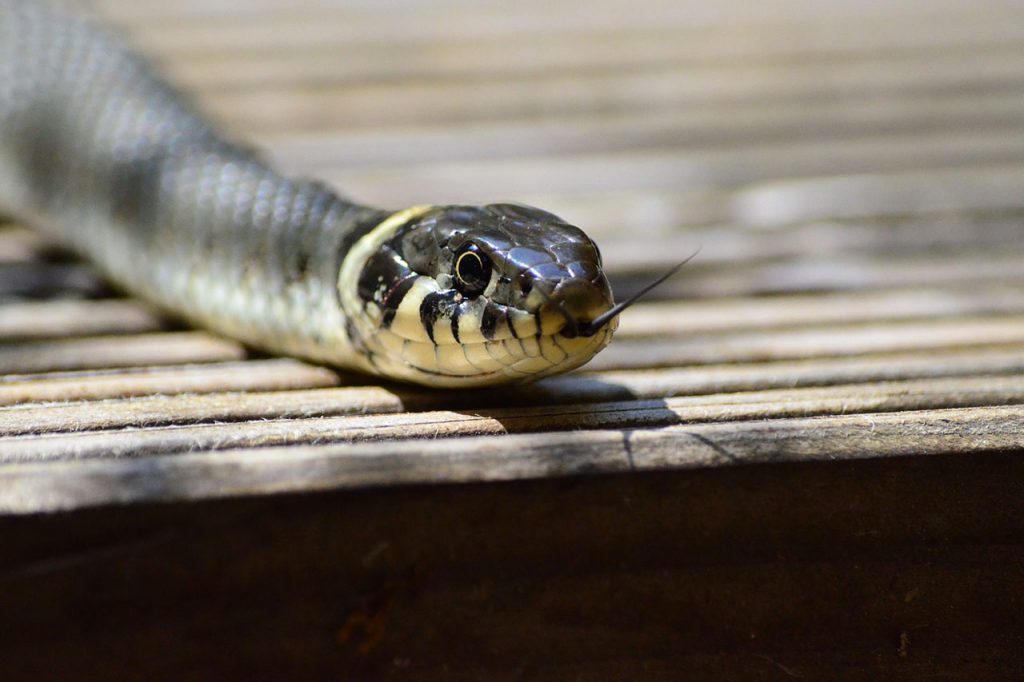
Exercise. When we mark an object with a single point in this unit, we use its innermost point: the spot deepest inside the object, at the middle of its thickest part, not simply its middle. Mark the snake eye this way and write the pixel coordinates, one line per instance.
(472, 270)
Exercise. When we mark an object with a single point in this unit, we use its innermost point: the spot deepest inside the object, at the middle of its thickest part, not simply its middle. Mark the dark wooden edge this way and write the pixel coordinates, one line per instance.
(906, 567)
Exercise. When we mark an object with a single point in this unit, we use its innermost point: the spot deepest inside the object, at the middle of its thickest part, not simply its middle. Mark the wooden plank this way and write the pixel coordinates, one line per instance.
(334, 62)
(57, 318)
(637, 129)
(828, 341)
(733, 377)
(31, 488)
(976, 204)
(684, 169)
(288, 375)
(487, 14)
(703, 316)
(299, 107)
(818, 272)
(116, 351)
(195, 409)
(304, 413)
(252, 375)
(270, 431)
(916, 192)
(738, 573)
(297, 29)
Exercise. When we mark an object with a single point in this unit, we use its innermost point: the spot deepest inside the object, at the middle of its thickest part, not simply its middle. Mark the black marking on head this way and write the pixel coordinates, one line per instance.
(490, 317)
(371, 356)
(511, 327)
(388, 317)
(362, 223)
(384, 272)
(456, 314)
(354, 337)
(393, 299)
(436, 304)
(384, 281)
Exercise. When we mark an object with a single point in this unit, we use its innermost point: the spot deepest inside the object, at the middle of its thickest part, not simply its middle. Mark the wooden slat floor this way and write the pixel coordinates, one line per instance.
(852, 173)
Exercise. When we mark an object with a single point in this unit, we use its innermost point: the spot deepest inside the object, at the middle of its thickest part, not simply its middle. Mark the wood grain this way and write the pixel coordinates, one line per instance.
(304, 418)
(61, 318)
(851, 177)
(800, 458)
(177, 379)
(100, 352)
(71, 484)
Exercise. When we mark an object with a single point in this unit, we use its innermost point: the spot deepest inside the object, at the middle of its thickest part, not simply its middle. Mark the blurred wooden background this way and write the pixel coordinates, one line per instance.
(852, 332)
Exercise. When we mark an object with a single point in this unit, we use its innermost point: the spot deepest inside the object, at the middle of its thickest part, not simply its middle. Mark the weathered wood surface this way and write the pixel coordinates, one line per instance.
(800, 458)
(852, 178)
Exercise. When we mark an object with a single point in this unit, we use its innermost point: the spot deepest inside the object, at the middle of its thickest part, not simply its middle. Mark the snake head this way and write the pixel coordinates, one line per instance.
(523, 259)
(479, 295)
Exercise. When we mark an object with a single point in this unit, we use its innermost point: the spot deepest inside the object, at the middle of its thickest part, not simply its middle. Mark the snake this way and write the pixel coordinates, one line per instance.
(103, 155)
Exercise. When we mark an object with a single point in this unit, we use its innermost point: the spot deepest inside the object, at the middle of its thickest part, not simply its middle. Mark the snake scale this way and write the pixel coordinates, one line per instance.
(104, 156)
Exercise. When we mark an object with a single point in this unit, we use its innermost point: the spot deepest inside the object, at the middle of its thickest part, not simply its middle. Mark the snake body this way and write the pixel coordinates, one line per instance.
(100, 153)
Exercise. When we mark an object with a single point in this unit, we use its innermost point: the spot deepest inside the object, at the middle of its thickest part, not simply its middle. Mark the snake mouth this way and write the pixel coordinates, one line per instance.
(544, 354)
(574, 326)
(575, 308)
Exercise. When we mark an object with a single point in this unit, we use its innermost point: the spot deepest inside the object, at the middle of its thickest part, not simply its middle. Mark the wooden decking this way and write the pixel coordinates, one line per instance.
(853, 174)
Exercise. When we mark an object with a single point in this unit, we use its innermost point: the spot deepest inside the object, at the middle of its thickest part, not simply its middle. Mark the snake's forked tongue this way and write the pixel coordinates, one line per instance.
(595, 325)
